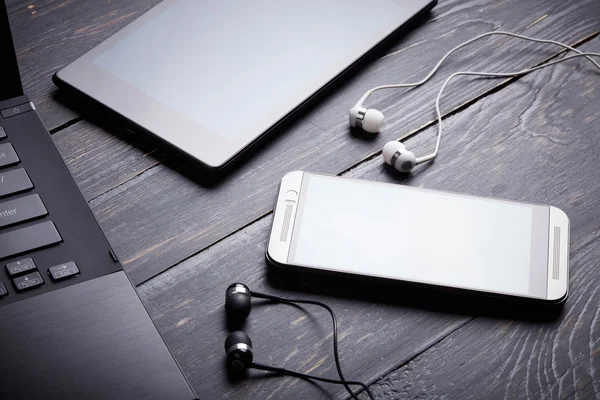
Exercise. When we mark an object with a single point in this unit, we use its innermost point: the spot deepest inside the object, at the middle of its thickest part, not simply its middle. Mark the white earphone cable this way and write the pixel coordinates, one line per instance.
(437, 66)
(492, 75)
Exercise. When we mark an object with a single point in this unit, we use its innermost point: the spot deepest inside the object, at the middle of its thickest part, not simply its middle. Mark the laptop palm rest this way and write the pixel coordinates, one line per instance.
(93, 340)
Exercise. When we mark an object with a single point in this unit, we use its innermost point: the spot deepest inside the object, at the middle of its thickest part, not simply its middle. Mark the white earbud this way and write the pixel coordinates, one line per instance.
(396, 155)
(367, 119)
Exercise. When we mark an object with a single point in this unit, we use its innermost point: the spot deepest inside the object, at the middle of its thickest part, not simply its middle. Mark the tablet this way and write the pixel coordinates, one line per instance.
(210, 77)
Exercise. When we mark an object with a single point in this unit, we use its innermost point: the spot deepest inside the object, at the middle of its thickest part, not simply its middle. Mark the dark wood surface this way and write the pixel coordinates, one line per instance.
(182, 241)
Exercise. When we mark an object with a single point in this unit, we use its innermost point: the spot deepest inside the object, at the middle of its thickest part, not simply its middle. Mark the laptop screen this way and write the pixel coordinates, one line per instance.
(11, 80)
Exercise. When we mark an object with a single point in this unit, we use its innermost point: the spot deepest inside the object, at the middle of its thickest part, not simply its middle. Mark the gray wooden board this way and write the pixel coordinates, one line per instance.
(534, 141)
(162, 216)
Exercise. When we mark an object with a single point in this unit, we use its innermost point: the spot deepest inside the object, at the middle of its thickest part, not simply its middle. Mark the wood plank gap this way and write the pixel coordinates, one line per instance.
(121, 185)
(261, 217)
(65, 125)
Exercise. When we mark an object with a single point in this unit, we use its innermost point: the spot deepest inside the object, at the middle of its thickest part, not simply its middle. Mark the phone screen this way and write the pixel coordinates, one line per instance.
(417, 235)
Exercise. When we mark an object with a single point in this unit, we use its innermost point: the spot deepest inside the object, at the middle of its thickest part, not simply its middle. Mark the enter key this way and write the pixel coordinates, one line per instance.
(22, 209)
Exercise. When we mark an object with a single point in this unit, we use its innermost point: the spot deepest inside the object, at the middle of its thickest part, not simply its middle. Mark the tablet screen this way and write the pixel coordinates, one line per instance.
(233, 68)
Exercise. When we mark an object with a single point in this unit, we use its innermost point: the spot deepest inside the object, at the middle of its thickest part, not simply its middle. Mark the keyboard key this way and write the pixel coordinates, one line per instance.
(27, 239)
(3, 291)
(28, 281)
(23, 209)
(7, 155)
(12, 111)
(21, 266)
(63, 271)
(14, 181)
(2, 133)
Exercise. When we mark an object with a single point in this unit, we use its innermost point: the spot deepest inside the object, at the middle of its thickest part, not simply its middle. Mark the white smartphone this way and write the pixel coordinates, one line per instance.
(430, 237)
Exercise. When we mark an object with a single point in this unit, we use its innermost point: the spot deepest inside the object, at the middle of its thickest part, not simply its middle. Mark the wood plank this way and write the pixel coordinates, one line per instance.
(534, 141)
(49, 34)
(163, 216)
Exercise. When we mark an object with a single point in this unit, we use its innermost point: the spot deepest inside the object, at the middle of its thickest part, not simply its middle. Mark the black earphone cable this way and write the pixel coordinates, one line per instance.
(335, 344)
(284, 371)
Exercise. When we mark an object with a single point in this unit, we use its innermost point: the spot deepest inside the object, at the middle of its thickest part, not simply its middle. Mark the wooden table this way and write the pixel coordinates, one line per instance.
(533, 139)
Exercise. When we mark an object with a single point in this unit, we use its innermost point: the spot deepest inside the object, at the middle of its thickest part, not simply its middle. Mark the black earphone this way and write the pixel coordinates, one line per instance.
(238, 346)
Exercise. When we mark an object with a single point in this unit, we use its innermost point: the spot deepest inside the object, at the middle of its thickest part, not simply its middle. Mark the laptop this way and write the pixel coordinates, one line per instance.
(71, 323)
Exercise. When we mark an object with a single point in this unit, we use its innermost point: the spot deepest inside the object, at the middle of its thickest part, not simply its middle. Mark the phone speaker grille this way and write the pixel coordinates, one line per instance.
(286, 223)
(556, 253)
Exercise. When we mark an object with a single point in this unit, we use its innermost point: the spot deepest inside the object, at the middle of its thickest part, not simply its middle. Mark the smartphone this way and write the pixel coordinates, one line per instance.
(403, 233)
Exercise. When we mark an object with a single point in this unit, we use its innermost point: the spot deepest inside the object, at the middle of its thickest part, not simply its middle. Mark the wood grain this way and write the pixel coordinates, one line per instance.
(50, 34)
(162, 216)
(535, 141)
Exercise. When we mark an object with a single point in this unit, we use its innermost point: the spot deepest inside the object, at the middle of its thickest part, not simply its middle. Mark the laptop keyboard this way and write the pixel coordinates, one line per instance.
(49, 238)
(24, 274)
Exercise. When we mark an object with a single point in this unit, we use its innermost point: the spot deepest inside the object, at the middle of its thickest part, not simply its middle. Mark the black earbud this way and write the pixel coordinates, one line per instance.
(238, 348)
(237, 302)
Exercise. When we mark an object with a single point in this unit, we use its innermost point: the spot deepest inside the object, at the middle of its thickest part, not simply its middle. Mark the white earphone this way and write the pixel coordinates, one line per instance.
(367, 119)
(395, 153)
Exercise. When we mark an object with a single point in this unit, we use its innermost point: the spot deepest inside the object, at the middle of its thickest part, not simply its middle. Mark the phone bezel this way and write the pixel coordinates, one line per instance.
(278, 250)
